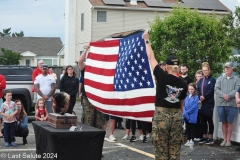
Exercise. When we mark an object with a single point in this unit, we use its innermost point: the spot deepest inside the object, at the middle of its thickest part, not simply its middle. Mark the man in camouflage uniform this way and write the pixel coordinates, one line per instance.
(170, 94)
(90, 115)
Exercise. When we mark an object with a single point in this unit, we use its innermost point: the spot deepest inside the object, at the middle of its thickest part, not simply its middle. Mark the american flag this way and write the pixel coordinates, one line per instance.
(118, 80)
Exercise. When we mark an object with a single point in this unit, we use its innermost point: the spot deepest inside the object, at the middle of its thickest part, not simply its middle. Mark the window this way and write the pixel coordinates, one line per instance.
(23, 71)
(101, 16)
(50, 62)
(54, 62)
(82, 21)
(4, 72)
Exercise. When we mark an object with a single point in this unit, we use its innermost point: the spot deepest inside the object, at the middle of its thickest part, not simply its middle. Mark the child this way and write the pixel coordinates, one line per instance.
(191, 111)
(41, 112)
(8, 111)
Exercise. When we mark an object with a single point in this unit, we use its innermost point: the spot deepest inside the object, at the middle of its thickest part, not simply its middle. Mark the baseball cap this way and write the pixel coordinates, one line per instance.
(172, 60)
(44, 66)
(162, 63)
(228, 65)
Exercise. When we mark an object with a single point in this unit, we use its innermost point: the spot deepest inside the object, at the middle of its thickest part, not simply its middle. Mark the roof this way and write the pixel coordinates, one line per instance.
(199, 4)
(123, 34)
(42, 46)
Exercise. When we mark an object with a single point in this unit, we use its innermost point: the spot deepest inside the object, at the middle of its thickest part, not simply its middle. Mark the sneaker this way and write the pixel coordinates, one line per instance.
(228, 144)
(209, 141)
(6, 144)
(187, 143)
(133, 139)
(223, 143)
(14, 144)
(141, 137)
(149, 135)
(203, 140)
(144, 139)
(197, 139)
(126, 137)
(112, 138)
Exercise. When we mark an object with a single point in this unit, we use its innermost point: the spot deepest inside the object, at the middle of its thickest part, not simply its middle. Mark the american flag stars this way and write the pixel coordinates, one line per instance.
(132, 69)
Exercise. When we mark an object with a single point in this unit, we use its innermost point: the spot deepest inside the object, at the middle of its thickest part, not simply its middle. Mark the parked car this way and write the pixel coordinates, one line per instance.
(19, 82)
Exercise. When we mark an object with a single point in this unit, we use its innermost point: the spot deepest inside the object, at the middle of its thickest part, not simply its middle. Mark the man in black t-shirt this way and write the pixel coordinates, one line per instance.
(170, 95)
(184, 71)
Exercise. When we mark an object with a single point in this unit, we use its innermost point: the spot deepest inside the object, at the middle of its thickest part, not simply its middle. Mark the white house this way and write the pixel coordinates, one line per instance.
(34, 49)
(91, 20)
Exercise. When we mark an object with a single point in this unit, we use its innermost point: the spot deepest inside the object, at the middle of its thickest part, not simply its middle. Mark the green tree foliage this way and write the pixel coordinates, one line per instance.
(232, 21)
(6, 32)
(9, 57)
(193, 37)
(20, 34)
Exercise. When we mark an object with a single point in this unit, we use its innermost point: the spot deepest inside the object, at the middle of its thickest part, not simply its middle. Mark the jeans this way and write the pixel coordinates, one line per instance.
(9, 132)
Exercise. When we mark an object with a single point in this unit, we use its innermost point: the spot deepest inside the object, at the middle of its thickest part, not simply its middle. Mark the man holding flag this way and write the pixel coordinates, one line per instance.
(170, 95)
(90, 115)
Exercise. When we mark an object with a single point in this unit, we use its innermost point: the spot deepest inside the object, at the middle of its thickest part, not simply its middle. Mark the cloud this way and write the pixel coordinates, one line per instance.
(41, 18)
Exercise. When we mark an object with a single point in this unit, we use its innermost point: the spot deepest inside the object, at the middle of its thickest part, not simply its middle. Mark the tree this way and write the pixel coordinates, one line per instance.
(9, 57)
(6, 33)
(232, 22)
(193, 37)
(20, 34)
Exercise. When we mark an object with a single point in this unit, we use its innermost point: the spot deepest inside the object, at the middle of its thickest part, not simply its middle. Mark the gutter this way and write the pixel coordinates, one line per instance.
(153, 9)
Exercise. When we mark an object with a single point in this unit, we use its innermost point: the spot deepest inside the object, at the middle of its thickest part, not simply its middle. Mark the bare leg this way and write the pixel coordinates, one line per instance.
(112, 126)
(229, 131)
(224, 130)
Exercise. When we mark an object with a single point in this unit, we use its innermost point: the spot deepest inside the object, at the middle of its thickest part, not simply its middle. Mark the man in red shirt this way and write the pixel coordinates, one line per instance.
(35, 73)
(2, 87)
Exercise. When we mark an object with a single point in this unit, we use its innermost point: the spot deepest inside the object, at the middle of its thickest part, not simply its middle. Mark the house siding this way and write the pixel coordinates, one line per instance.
(83, 36)
(121, 21)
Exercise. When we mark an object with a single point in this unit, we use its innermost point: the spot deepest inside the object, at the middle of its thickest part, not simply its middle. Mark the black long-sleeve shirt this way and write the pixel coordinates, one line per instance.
(69, 85)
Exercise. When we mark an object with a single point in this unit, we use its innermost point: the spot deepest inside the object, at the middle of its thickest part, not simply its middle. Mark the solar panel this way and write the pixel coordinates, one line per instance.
(214, 5)
(196, 5)
(114, 2)
(191, 1)
(175, 4)
(155, 3)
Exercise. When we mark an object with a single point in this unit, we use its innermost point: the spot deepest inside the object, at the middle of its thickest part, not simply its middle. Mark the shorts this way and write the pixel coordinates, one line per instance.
(227, 113)
(107, 117)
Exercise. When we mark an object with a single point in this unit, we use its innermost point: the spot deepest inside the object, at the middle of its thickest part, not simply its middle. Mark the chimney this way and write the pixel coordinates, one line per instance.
(133, 2)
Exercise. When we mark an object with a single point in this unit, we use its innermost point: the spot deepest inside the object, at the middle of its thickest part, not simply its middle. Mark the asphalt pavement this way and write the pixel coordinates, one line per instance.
(123, 149)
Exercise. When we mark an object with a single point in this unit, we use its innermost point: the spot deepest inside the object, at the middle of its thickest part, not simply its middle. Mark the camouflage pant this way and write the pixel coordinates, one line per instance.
(91, 116)
(167, 134)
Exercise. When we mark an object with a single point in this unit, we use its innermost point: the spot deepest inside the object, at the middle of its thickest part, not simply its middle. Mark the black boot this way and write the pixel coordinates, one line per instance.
(24, 141)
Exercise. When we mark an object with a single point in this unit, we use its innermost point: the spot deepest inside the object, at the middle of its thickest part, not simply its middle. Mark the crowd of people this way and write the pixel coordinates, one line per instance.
(179, 99)
(13, 114)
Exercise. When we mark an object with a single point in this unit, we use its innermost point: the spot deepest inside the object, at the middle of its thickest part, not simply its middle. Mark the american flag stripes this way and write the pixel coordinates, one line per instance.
(118, 79)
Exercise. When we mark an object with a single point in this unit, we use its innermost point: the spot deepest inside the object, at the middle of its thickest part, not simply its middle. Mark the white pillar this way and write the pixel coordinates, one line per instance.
(70, 32)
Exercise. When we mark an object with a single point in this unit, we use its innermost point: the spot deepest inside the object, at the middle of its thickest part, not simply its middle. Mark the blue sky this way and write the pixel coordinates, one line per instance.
(36, 18)
(44, 18)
